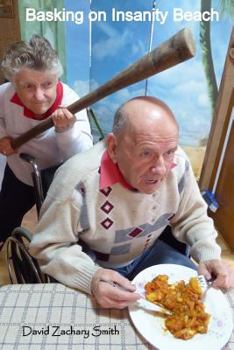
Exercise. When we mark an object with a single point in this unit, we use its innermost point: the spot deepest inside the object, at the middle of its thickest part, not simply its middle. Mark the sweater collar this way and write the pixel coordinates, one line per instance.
(110, 173)
(29, 114)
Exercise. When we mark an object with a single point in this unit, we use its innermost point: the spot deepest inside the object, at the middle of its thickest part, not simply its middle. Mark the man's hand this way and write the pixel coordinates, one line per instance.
(110, 296)
(5, 146)
(63, 119)
(220, 270)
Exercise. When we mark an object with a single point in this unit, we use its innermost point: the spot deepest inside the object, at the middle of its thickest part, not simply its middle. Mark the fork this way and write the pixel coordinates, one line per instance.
(148, 305)
(144, 303)
(205, 284)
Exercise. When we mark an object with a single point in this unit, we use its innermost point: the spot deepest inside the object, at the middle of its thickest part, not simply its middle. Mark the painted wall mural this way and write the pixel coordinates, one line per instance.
(97, 39)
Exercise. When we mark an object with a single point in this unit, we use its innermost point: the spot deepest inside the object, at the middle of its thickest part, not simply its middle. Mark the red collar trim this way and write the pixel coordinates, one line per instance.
(29, 114)
(110, 174)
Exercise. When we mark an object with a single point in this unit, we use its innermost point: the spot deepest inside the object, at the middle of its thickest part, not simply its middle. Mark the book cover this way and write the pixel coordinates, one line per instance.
(97, 39)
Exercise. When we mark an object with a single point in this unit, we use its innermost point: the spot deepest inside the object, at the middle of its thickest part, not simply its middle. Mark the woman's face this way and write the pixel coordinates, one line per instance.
(36, 89)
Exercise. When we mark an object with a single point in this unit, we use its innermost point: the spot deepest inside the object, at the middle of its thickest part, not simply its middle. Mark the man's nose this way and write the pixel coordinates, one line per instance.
(159, 166)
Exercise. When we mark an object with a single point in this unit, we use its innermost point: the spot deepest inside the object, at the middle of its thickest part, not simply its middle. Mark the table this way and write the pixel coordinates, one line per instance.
(55, 317)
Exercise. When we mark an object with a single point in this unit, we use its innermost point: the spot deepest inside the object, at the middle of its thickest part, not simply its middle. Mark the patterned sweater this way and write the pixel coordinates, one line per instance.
(116, 224)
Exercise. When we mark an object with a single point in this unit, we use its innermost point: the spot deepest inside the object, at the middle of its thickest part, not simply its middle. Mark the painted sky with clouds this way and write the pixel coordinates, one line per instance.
(115, 45)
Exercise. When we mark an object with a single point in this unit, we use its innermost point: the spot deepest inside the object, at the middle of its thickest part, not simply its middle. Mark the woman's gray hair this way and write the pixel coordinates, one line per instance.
(36, 54)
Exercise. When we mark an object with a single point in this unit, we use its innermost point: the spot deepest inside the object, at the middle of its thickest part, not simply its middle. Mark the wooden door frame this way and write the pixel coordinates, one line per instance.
(220, 122)
(10, 31)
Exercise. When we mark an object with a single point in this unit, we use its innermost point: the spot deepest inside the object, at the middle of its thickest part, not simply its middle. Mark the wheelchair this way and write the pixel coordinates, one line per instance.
(22, 267)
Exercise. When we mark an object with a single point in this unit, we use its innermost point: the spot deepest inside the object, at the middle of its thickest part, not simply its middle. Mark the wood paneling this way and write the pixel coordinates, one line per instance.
(224, 216)
(10, 31)
(224, 193)
(220, 121)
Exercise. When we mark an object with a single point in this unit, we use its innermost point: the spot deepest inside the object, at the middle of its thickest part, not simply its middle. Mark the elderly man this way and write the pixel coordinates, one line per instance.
(107, 207)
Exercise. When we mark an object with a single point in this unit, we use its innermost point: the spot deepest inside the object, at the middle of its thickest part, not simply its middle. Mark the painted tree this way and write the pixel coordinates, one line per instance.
(227, 9)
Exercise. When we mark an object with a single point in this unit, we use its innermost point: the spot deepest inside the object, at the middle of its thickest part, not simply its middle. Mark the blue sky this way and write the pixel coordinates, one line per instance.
(116, 45)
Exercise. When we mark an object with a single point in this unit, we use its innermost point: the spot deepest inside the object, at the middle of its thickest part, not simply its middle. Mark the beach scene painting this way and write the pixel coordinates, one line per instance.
(98, 39)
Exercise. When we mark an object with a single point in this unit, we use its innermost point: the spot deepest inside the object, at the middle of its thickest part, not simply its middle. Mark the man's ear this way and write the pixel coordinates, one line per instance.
(111, 144)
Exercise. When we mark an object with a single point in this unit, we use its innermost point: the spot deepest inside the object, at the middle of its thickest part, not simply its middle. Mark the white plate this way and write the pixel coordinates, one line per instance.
(152, 327)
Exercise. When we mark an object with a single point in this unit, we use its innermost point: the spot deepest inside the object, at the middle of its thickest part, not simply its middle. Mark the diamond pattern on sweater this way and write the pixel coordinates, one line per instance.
(107, 207)
(147, 228)
(107, 223)
(106, 191)
(135, 232)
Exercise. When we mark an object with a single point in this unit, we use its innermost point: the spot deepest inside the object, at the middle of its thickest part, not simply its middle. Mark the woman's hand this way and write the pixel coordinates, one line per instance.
(111, 290)
(63, 119)
(5, 146)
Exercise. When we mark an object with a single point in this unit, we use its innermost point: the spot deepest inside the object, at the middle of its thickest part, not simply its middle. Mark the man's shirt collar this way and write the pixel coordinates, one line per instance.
(110, 174)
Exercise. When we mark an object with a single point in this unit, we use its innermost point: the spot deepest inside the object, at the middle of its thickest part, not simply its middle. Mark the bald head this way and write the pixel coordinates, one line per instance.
(143, 142)
(141, 112)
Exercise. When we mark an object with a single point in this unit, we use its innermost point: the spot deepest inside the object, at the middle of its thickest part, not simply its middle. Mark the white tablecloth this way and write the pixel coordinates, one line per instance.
(54, 317)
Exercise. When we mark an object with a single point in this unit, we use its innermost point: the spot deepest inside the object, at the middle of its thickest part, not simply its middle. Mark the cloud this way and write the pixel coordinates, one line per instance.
(184, 89)
(83, 87)
(112, 46)
(185, 5)
(195, 90)
(138, 48)
(129, 92)
(188, 101)
(203, 100)
(105, 109)
(107, 29)
(111, 42)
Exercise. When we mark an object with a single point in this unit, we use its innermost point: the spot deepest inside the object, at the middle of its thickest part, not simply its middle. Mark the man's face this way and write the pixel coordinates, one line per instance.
(36, 89)
(145, 153)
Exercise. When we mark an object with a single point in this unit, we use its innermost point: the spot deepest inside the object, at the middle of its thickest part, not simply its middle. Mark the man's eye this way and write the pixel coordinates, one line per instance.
(146, 153)
(169, 154)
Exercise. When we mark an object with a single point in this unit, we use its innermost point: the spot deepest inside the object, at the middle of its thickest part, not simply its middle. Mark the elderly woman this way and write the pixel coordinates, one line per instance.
(33, 93)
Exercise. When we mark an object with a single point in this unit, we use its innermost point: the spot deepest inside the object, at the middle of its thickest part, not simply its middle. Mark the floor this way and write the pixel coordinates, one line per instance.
(30, 220)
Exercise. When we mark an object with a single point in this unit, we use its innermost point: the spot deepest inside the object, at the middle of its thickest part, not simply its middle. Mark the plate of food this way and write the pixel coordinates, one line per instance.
(194, 322)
